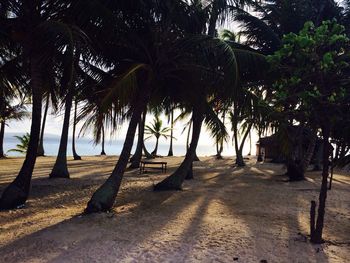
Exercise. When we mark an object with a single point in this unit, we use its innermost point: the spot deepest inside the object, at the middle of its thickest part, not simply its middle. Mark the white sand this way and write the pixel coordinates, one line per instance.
(225, 215)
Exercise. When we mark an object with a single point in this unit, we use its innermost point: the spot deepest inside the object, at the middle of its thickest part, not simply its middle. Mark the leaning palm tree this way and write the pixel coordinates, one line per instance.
(156, 129)
(235, 63)
(42, 31)
(146, 63)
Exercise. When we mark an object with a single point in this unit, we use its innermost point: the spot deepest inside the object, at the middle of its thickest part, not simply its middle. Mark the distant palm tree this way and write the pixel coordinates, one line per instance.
(22, 147)
(8, 112)
(157, 130)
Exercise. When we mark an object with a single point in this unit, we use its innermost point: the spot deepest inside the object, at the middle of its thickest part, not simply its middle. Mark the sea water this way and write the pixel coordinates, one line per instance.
(87, 147)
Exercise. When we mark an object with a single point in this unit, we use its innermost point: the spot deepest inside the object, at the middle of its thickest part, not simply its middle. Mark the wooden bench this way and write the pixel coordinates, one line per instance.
(153, 165)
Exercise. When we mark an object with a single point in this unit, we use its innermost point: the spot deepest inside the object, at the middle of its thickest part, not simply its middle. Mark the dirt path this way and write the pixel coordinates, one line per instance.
(225, 215)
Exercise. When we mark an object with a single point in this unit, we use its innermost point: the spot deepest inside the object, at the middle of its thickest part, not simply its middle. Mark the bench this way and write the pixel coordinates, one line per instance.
(153, 165)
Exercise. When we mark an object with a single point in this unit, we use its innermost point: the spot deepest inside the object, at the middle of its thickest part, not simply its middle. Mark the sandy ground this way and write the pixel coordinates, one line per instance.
(226, 214)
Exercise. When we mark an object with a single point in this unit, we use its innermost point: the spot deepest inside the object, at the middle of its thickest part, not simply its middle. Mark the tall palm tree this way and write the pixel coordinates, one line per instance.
(232, 59)
(162, 59)
(103, 141)
(41, 31)
(51, 99)
(60, 169)
(41, 151)
(75, 155)
(156, 129)
(171, 153)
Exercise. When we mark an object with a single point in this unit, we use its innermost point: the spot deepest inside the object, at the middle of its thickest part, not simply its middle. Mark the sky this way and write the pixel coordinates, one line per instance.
(54, 124)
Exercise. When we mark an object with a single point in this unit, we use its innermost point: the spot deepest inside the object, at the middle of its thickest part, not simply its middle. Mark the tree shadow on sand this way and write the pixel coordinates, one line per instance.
(218, 216)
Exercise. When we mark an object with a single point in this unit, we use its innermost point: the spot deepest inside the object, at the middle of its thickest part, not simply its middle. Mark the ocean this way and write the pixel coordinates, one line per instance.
(86, 147)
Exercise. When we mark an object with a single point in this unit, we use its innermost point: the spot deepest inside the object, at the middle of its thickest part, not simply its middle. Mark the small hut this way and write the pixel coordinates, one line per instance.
(269, 148)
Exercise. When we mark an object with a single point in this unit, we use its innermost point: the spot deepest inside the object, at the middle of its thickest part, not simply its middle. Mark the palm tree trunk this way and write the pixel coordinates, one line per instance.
(260, 158)
(309, 152)
(196, 158)
(188, 141)
(135, 163)
(103, 199)
(317, 233)
(41, 151)
(155, 151)
(75, 155)
(146, 152)
(60, 169)
(218, 154)
(239, 156)
(220, 142)
(189, 175)
(221, 149)
(103, 140)
(170, 153)
(213, 19)
(250, 143)
(295, 170)
(2, 135)
(188, 135)
(174, 181)
(17, 192)
(318, 157)
(239, 150)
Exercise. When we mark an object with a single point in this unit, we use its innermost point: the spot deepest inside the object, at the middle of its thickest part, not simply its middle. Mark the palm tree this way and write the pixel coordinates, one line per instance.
(174, 181)
(75, 155)
(7, 113)
(241, 121)
(159, 63)
(60, 169)
(268, 21)
(22, 147)
(219, 11)
(103, 141)
(41, 31)
(157, 130)
(71, 87)
(203, 110)
(41, 151)
(51, 98)
(171, 153)
(137, 156)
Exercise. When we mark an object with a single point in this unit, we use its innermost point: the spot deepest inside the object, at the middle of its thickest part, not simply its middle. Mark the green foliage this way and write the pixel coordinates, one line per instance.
(22, 146)
(312, 74)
